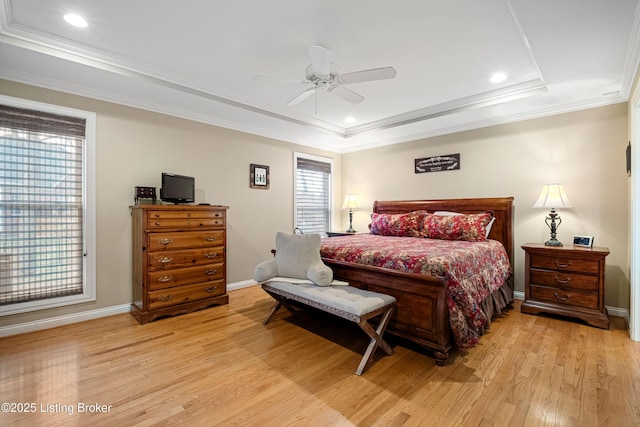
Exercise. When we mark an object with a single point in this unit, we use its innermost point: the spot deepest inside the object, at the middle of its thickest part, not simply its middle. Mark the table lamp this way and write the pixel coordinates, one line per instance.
(552, 197)
(350, 203)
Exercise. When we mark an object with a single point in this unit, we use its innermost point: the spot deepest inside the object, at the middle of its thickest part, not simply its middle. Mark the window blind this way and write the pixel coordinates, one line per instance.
(313, 195)
(41, 205)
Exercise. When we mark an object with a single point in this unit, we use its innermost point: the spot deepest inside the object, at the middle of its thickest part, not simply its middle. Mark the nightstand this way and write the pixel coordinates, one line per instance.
(336, 234)
(565, 280)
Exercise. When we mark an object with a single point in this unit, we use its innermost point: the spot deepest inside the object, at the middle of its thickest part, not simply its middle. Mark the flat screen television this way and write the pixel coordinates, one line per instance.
(177, 188)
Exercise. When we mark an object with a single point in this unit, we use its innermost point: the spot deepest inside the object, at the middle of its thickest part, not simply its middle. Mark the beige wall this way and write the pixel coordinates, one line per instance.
(135, 146)
(584, 151)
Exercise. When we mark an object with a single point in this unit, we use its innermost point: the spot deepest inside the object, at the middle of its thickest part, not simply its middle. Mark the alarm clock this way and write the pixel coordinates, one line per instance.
(145, 193)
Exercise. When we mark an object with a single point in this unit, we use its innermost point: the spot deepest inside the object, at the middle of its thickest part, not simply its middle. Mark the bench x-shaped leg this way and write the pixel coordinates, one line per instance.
(281, 301)
(376, 339)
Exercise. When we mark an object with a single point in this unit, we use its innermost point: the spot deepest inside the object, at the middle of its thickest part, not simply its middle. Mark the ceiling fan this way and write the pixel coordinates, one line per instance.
(324, 75)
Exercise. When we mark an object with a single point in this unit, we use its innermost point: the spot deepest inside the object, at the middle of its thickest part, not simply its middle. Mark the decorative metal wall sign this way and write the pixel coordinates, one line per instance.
(447, 162)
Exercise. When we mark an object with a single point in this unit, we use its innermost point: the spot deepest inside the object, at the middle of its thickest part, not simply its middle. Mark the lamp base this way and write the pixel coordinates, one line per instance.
(350, 229)
(553, 242)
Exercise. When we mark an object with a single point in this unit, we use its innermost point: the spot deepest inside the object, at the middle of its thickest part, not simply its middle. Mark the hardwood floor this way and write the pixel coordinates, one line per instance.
(221, 366)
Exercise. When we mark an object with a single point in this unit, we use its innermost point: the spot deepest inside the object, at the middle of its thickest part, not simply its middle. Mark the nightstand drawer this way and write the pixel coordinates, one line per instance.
(565, 297)
(563, 280)
(565, 264)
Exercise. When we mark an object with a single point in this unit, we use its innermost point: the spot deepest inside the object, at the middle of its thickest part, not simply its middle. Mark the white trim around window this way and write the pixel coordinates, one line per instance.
(89, 207)
(328, 196)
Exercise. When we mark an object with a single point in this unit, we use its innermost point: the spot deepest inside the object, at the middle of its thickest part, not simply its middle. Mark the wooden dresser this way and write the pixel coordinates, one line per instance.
(179, 259)
(566, 280)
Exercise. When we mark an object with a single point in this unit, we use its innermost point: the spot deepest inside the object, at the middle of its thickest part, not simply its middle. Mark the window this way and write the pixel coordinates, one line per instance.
(46, 206)
(312, 193)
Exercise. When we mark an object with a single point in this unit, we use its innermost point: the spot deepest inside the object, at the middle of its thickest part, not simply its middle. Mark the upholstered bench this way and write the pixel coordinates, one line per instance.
(347, 302)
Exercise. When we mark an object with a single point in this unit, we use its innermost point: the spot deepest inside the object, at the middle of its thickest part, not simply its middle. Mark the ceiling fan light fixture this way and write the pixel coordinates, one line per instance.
(324, 75)
(75, 20)
(498, 78)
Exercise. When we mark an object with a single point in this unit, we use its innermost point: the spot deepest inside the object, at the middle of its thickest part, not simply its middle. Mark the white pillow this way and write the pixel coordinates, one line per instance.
(297, 256)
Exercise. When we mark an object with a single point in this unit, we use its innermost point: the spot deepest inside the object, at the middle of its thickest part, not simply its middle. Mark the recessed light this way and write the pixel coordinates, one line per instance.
(75, 20)
(350, 119)
(498, 77)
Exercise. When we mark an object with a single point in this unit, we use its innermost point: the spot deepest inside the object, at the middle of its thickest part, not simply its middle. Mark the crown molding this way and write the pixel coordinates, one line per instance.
(338, 139)
(484, 99)
(632, 61)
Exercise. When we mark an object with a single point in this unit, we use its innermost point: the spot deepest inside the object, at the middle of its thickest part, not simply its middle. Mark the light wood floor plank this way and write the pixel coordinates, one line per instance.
(221, 366)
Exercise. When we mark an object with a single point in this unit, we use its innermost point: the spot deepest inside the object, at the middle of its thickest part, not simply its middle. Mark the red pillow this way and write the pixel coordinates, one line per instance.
(470, 227)
(405, 225)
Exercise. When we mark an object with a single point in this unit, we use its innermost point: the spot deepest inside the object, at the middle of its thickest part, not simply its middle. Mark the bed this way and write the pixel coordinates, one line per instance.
(427, 312)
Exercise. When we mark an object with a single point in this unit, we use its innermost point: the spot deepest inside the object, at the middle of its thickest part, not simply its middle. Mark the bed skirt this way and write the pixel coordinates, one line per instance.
(497, 301)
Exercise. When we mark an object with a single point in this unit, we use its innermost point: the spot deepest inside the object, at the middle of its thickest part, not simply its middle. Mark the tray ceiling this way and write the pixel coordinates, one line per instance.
(198, 60)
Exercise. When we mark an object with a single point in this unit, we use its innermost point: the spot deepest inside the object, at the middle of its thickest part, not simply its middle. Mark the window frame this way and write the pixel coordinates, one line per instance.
(328, 160)
(89, 210)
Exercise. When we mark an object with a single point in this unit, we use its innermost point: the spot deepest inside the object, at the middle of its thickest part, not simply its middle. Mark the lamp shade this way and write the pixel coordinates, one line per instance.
(350, 202)
(553, 196)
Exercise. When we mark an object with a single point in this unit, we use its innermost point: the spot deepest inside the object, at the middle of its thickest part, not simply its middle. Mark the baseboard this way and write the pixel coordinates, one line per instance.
(67, 319)
(240, 285)
(53, 322)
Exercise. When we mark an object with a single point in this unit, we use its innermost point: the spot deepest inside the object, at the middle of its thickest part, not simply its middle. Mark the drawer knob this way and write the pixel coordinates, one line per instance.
(211, 255)
(563, 264)
(165, 279)
(555, 294)
(165, 259)
(211, 238)
(211, 272)
(211, 288)
(165, 297)
(165, 241)
(562, 281)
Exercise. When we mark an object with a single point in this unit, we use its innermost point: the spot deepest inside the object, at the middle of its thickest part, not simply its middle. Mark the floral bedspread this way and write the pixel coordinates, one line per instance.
(472, 270)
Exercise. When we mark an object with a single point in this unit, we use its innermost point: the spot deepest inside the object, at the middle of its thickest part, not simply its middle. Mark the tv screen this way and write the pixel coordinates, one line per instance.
(177, 188)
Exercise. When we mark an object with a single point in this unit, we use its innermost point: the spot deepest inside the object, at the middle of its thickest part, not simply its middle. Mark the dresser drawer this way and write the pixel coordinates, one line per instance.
(165, 260)
(185, 223)
(565, 296)
(186, 239)
(565, 264)
(181, 294)
(563, 280)
(162, 279)
(153, 215)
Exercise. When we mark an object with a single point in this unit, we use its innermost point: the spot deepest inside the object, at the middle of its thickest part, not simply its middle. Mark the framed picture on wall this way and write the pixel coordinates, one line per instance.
(259, 176)
(628, 156)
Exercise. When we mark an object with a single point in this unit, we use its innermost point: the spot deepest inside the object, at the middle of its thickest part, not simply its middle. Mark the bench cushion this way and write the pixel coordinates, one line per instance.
(345, 298)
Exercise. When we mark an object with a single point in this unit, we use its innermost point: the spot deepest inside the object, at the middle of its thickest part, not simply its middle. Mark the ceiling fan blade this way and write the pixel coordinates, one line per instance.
(347, 94)
(279, 79)
(302, 96)
(367, 75)
(320, 60)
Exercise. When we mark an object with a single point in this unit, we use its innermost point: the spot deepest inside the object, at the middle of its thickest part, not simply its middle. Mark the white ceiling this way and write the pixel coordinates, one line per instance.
(196, 58)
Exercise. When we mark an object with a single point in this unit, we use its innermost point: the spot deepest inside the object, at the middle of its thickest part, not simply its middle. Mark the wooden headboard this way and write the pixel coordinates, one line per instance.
(502, 208)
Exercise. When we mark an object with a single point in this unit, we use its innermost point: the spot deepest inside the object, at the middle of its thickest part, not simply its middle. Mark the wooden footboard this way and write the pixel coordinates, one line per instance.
(422, 315)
